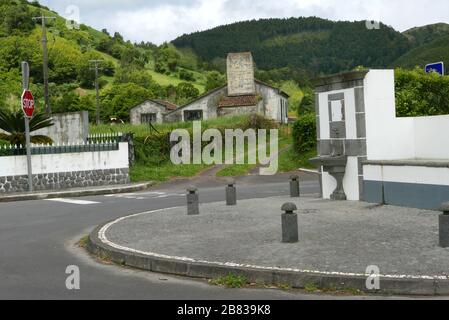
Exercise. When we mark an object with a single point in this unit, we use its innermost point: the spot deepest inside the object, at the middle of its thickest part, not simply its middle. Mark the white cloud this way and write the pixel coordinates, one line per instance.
(164, 20)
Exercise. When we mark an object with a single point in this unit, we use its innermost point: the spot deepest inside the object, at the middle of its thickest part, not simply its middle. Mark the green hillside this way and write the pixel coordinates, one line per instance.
(130, 73)
(288, 53)
(431, 44)
(312, 44)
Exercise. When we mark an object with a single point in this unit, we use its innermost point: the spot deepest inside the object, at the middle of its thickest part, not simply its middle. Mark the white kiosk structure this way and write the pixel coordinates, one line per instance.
(367, 153)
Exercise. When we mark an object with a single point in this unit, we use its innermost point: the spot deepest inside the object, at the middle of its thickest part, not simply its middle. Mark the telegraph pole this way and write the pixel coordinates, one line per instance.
(44, 19)
(96, 67)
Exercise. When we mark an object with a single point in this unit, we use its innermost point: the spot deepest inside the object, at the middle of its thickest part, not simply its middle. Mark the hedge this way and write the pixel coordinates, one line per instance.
(304, 133)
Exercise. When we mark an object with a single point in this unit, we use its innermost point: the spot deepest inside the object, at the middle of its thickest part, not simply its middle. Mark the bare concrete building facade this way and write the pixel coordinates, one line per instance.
(243, 94)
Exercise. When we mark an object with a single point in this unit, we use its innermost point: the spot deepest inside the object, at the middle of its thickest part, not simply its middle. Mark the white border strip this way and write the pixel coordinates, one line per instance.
(103, 238)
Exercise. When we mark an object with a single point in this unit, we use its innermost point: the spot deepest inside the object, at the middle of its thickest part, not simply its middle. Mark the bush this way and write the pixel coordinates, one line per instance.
(186, 75)
(421, 94)
(153, 149)
(304, 133)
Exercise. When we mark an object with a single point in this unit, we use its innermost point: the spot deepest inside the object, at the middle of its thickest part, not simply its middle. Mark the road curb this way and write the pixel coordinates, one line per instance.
(77, 193)
(296, 280)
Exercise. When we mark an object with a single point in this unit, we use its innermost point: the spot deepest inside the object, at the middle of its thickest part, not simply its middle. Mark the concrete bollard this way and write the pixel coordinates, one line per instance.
(193, 206)
(444, 226)
(289, 223)
(294, 187)
(231, 194)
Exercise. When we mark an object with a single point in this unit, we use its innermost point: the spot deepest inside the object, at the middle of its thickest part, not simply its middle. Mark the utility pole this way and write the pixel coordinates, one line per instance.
(44, 19)
(96, 67)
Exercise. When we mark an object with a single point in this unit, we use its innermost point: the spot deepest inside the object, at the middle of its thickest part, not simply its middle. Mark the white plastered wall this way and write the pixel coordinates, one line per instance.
(66, 162)
(388, 137)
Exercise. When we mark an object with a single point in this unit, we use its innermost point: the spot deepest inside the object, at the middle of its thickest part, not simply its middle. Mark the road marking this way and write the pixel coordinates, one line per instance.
(145, 195)
(71, 201)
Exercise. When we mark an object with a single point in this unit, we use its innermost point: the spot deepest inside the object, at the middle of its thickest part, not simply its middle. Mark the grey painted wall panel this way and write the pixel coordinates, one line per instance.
(421, 196)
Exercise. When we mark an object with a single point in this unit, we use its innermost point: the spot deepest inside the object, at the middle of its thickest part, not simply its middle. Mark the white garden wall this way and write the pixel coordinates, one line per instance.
(66, 162)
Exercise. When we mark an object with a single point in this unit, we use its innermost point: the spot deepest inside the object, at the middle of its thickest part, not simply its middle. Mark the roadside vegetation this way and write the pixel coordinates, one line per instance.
(152, 148)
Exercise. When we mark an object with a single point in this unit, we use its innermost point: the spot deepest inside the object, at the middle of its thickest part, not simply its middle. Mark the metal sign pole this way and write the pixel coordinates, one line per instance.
(25, 84)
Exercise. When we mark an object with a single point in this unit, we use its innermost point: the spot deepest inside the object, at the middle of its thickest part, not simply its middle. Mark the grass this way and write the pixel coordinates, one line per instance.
(83, 242)
(165, 80)
(237, 170)
(164, 172)
(230, 281)
(139, 172)
(290, 160)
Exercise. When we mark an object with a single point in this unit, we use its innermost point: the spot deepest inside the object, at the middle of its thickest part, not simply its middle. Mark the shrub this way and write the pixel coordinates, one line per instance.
(421, 94)
(304, 133)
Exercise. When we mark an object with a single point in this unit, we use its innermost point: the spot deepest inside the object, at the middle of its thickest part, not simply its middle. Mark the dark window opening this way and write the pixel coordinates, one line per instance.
(148, 118)
(193, 115)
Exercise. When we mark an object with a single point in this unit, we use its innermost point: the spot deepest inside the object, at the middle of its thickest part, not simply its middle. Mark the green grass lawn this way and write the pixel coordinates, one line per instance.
(164, 172)
(165, 80)
(290, 160)
(237, 170)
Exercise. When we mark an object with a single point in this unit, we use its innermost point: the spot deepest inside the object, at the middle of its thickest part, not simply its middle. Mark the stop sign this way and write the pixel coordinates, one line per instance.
(28, 103)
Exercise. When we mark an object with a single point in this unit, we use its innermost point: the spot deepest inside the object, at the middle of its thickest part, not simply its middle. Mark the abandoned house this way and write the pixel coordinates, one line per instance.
(151, 111)
(243, 94)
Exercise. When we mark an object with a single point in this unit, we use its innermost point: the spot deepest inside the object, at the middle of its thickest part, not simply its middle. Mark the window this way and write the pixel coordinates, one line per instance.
(337, 112)
(193, 115)
(146, 118)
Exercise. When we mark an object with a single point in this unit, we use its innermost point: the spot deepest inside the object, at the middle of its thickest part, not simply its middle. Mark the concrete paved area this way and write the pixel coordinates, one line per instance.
(342, 237)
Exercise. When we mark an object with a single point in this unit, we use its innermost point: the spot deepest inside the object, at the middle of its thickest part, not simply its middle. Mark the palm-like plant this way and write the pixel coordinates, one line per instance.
(14, 124)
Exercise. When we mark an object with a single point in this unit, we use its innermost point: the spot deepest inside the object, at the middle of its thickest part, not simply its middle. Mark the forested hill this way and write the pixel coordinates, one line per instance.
(430, 44)
(313, 44)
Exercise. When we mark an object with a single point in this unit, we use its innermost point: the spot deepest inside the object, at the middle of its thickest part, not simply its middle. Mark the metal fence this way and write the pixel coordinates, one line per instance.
(96, 145)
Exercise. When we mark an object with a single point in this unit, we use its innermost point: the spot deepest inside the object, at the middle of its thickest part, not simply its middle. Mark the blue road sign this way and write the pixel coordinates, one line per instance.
(436, 67)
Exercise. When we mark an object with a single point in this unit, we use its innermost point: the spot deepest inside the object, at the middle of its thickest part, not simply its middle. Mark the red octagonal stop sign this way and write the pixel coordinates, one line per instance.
(28, 103)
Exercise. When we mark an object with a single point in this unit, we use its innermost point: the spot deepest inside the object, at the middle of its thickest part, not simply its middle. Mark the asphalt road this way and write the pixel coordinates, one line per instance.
(38, 242)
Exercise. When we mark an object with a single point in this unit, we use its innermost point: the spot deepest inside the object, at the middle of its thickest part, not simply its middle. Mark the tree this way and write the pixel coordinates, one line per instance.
(307, 104)
(186, 75)
(214, 79)
(86, 76)
(120, 98)
(15, 17)
(14, 124)
(186, 91)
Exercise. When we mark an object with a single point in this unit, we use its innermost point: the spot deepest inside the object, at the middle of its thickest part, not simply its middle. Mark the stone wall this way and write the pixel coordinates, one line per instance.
(145, 108)
(65, 180)
(208, 104)
(240, 71)
(271, 103)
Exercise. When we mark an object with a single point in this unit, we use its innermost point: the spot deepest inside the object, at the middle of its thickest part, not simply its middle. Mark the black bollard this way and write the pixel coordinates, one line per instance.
(444, 225)
(290, 232)
(193, 207)
(294, 186)
(231, 194)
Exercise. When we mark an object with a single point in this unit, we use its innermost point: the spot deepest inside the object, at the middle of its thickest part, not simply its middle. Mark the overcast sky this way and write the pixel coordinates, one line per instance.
(164, 20)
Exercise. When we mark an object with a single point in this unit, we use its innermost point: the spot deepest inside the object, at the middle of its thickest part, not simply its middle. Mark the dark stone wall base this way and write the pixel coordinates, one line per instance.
(65, 180)
(420, 196)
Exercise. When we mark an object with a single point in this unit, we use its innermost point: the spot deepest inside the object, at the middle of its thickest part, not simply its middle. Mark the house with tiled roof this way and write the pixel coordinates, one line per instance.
(151, 111)
(243, 94)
